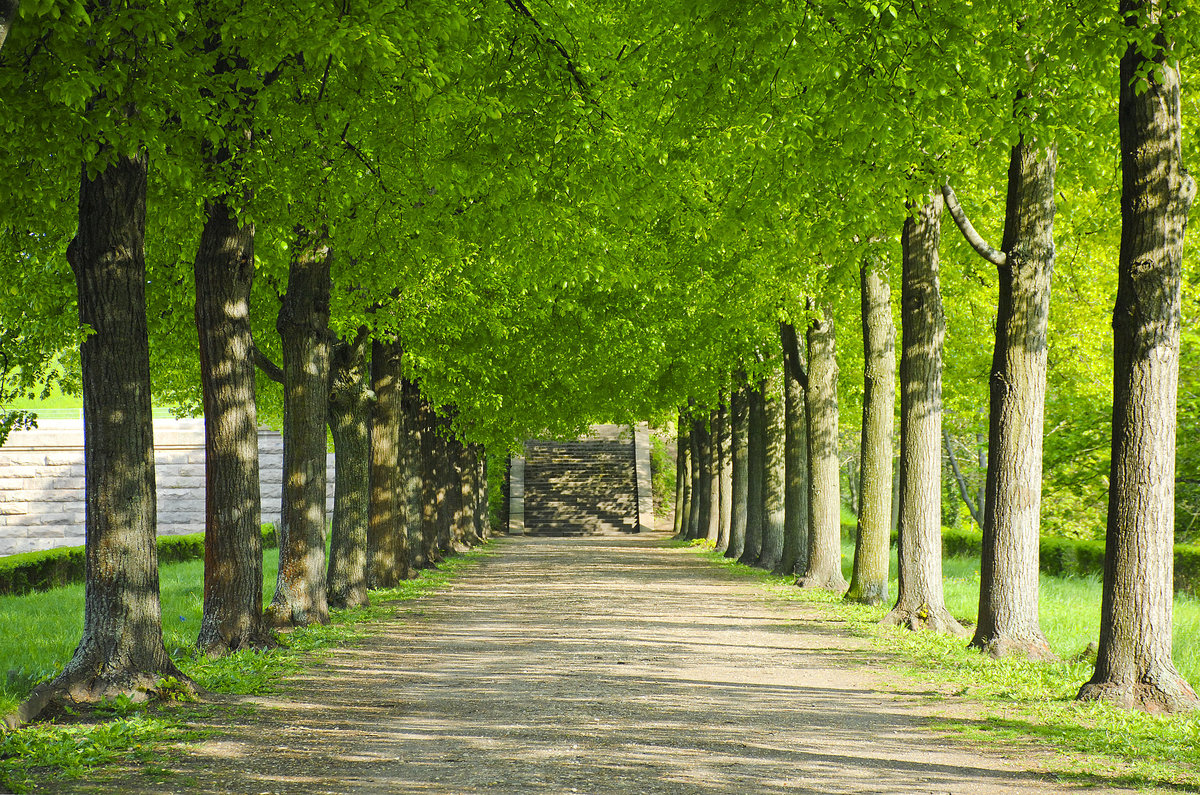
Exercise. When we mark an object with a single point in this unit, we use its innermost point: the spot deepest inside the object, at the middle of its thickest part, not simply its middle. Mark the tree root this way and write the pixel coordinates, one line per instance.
(78, 689)
(828, 581)
(1162, 692)
(923, 618)
(998, 646)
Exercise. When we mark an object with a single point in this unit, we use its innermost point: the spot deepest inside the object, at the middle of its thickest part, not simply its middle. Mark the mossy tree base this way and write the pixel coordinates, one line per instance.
(1157, 692)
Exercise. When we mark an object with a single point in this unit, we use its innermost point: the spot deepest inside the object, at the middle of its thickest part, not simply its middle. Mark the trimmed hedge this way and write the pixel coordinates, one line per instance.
(50, 568)
(1075, 557)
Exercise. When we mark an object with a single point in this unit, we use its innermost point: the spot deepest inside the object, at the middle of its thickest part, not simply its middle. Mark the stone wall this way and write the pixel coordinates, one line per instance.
(41, 482)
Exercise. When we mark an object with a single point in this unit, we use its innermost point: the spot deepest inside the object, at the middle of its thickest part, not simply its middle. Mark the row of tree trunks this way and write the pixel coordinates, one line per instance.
(350, 402)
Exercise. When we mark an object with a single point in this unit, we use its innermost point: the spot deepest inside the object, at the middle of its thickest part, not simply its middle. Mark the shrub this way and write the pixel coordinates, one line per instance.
(50, 568)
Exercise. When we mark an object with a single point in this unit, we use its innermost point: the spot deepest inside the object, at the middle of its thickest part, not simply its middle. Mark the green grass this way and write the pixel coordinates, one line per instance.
(1028, 702)
(38, 633)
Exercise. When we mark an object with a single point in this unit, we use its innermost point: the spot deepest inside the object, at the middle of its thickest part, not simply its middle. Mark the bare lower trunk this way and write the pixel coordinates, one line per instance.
(1008, 592)
(795, 520)
(702, 456)
(920, 603)
(824, 568)
(1134, 667)
(696, 496)
(387, 537)
(412, 474)
(712, 528)
(739, 404)
(232, 616)
(756, 451)
(303, 325)
(774, 473)
(869, 582)
(121, 650)
(350, 401)
(431, 484)
(725, 481)
(682, 475)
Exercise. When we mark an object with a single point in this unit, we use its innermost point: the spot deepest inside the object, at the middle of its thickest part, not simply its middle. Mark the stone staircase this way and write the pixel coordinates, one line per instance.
(585, 487)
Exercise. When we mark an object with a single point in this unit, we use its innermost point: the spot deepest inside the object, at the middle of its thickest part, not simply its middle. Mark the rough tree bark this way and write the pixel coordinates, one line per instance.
(412, 474)
(8, 15)
(725, 479)
(1134, 666)
(682, 476)
(350, 402)
(795, 520)
(873, 539)
(702, 457)
(121, 650)
(303, 325)
(387, 535)
(739, 409)
(431, 484)
(712, 528)
(920, 603)
(1008, 592)
(756, 452)
(695, 496)
(774, 469)
(824, 569)
(232, 616)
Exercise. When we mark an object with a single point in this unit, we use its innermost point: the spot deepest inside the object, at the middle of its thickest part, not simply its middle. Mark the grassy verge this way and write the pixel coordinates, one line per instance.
(40, 630)
(1025, 702)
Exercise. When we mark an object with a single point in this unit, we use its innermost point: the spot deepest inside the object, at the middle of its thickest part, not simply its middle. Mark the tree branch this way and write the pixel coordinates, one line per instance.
(264, 363)
(962, 484)
(997, 258)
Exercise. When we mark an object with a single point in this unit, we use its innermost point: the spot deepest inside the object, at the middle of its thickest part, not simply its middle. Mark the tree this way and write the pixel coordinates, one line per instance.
(739, 411)
(712, 528)
(725, 484)
(824, 569)
(756, 462)
(8, 14)
(350, 402)
(232, 616)
(683, 475)
(920, 603)
(795, 531)
(303, 325)
(385, 544)
(1134, 667)
(1008, 593)
(872, 545)
(774, 474)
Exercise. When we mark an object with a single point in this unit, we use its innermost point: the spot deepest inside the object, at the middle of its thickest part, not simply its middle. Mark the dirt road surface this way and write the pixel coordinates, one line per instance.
(597, 665)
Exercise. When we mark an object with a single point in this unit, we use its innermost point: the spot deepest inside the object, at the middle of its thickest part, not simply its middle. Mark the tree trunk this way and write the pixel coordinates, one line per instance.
(121, 650)
(873, 540)
(696, 496)
(303, 325)
(350, 400)
(232, 616)
(1134, 667)
(795, 527)
(725, 481)
(462, 497)
(412, 474)
(774, 471)
(712, 529)
(920, 603)
(431, 484)
(739, 406)
(1008, 592)
(824, 568)
(387, 537)
(702, 455)
(756, 460)
(8, 15)
(682, 476)
(485, 491)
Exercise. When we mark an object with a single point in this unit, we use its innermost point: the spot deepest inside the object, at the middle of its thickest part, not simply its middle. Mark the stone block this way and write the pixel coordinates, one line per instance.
(13, 508)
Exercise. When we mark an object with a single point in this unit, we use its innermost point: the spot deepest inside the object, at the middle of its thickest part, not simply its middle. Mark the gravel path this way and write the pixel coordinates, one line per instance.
(599, 665)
